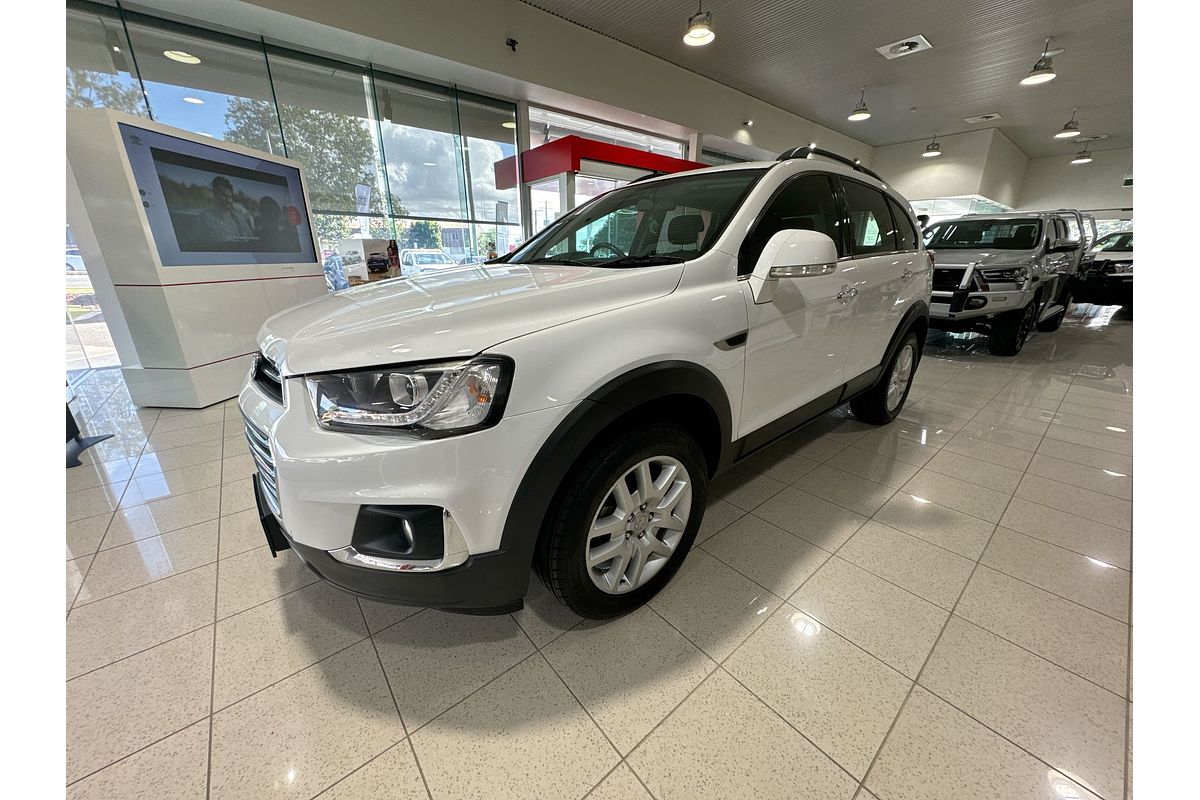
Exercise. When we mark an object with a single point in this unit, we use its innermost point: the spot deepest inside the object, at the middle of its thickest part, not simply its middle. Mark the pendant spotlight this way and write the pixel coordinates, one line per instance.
(860, 111)
(933, 149)
(1082, 157)
(699, 30)
(1070, 129)
(1043, 70)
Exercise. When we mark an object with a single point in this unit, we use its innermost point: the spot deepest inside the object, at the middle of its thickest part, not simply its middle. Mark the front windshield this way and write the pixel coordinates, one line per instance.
(984, 234)
(659, 222)
(1117, 242)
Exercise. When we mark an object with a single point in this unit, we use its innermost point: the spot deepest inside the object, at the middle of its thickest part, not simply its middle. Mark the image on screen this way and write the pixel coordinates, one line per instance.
(210, 206)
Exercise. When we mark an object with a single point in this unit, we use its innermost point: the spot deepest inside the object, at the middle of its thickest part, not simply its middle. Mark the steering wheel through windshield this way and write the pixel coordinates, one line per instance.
(606, 246)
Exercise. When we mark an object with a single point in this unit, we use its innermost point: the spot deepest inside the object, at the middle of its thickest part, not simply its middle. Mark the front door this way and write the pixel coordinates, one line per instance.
(797, 343)
(884, 268)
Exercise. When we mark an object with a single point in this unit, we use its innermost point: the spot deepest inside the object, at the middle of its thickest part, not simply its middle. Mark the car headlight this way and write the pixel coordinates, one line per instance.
(448, 397)
(1005, 275)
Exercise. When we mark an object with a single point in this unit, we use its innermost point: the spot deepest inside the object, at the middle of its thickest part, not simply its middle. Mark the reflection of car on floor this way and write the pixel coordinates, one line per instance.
(1006, 274)
(377, 262)
(428, 440)
(1106, 274)
(414, 262)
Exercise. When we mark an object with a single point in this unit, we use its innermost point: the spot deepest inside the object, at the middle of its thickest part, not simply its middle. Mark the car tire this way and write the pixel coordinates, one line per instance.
(575, 532)
(1011, 329)
(884, 401)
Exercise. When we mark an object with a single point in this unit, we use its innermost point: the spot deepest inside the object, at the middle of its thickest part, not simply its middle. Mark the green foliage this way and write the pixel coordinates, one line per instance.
(485, 241)
(87, 89)
(425, 234)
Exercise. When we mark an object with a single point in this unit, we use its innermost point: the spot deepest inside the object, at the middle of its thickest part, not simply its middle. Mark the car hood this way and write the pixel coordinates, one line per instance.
(449, 313)
(984, 259)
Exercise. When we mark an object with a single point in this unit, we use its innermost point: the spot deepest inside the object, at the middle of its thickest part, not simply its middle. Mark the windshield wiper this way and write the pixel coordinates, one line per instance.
(641, 261)
(570, 262)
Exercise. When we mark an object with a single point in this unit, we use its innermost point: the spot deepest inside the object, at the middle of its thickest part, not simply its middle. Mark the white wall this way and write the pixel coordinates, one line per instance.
(958, 171)
(557, 63)
(1055, 182)
(1004, 171)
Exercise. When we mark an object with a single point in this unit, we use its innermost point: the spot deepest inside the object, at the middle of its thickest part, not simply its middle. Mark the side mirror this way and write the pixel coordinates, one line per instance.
(792, 254)
(1064, 246)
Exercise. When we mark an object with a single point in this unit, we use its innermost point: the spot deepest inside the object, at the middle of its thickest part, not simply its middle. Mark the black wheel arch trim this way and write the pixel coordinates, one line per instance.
(554, 460)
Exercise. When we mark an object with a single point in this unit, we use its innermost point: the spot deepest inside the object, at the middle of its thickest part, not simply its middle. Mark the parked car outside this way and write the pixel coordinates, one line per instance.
(416, 261)
(1006, 274)
(428, 441)
(1106, 274)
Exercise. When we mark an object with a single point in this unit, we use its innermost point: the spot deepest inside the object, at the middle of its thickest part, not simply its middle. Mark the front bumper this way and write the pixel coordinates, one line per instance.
(322, 484)
(964, 304)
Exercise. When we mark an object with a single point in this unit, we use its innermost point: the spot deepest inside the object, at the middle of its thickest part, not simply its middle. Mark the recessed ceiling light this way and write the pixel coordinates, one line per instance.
(196, 101)
(1070, 129)
(860, 112)
(904, 47)
(1043, 70)
(116, 49)
(508, 123)
(181, 56)
(699, 30)
(428, 163)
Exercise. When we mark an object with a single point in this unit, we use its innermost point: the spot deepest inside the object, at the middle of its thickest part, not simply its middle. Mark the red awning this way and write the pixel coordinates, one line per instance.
(563, 155)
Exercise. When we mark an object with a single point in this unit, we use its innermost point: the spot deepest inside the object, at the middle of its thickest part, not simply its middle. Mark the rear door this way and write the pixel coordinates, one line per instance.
(797, 343)
(883, 269)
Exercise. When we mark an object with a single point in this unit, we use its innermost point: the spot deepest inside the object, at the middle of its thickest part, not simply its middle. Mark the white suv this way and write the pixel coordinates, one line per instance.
(429, 440)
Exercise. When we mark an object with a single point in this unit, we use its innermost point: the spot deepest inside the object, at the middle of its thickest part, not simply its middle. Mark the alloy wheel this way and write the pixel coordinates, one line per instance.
(639, 524)
(902, 370)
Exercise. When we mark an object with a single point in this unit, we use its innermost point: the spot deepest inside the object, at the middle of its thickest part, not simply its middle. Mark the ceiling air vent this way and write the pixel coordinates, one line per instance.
(982, 118)
(905, 47)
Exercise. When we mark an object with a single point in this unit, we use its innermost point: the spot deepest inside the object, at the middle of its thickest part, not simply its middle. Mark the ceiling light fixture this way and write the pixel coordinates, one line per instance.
(508, 123)
(748, 123)
(933, 149)
(699, 30)
(196, 101)
(860, 111)
(181, 56)
(1082, 157)
(1043, 70)
(1070, 129)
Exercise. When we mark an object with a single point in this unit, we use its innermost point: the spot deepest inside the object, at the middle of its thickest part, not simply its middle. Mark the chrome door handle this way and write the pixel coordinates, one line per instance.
(847, 293)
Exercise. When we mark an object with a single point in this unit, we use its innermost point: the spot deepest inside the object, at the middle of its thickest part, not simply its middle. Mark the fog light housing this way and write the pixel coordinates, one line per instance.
(976, 302)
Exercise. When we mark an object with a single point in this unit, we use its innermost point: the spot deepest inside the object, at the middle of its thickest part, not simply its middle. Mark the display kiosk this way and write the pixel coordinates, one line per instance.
(191, 243)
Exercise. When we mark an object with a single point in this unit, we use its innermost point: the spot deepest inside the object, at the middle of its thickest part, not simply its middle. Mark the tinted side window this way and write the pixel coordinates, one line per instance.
(870, 220)
(804, 204)
(906, 234)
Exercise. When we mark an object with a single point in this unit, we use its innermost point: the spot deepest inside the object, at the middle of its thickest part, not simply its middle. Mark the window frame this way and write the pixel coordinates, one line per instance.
(849, 225)
(745, 267)
(896, 208)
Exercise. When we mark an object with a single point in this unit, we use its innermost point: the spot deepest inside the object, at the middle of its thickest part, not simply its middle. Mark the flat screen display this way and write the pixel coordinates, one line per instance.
(210, 206)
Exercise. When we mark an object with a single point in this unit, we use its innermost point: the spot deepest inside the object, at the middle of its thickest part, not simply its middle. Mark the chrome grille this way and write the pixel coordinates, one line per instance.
(267, 377)
(260, 450)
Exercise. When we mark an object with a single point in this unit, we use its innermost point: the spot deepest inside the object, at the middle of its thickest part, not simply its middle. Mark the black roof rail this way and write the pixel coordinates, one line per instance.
(808, 150)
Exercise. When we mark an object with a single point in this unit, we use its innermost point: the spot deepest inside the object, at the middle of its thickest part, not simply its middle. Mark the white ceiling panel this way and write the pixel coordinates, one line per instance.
(811, 56)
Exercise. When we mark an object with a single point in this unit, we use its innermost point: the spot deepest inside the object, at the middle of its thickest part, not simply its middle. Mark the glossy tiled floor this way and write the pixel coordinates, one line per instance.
(934, 609)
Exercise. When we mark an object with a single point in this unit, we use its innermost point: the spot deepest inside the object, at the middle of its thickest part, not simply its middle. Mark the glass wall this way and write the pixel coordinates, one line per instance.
(385, 157)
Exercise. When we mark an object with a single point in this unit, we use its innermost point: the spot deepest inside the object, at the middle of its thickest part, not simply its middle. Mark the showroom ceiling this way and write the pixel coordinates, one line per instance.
(811, 56)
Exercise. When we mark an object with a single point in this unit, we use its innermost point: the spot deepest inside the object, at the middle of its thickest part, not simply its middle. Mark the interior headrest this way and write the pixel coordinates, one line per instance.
(685, 228)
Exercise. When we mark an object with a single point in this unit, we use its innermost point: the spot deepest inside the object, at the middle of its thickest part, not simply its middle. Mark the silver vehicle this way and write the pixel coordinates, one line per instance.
(1005, 274)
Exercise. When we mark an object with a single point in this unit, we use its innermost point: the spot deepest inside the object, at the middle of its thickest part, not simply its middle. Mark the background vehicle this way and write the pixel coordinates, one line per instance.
(1006, 274)
(566, 409)
(377, 262)
(351, 257)
(414, 262)
(1106, 274)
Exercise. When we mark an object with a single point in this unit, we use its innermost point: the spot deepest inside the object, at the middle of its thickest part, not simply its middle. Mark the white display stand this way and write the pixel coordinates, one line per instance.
(185, 334)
